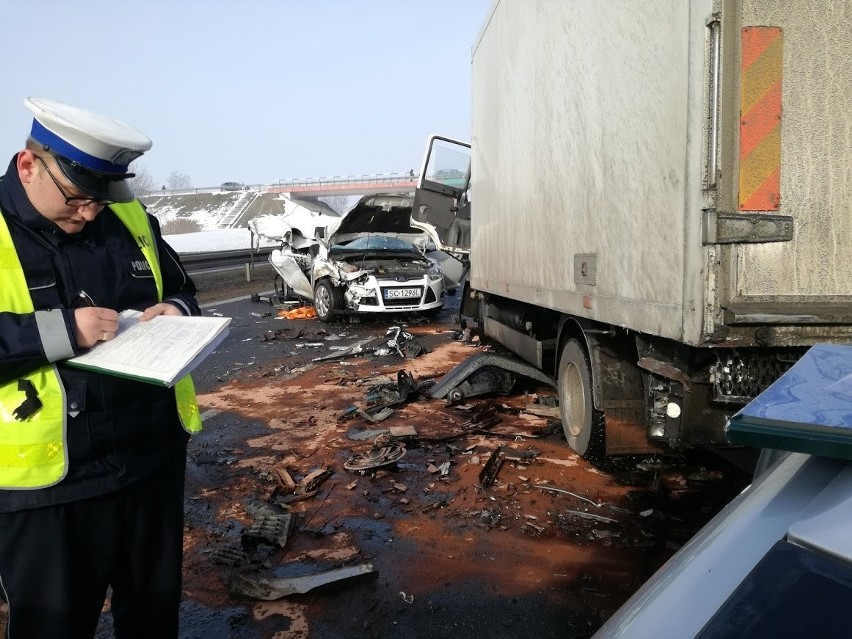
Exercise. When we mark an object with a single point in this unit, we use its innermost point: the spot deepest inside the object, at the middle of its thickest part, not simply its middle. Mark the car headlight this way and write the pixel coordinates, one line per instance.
(435, 273)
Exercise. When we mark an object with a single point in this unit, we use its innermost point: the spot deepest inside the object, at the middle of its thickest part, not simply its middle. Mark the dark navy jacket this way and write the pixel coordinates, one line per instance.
(119, 430)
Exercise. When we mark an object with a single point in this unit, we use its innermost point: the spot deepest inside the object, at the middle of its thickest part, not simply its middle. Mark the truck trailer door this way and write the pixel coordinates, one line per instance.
(790, 171)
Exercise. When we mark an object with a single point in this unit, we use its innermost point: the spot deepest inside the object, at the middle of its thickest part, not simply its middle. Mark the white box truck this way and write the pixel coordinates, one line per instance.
(658, 207)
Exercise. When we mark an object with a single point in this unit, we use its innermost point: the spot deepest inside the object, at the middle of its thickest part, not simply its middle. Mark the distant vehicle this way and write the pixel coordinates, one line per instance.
(450, 177)
(233, 186)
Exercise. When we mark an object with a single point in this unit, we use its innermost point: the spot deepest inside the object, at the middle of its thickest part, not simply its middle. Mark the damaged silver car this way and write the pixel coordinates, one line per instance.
(370, 260)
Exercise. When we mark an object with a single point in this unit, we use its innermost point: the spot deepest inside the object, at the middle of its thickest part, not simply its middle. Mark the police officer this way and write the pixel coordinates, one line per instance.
(91, 465)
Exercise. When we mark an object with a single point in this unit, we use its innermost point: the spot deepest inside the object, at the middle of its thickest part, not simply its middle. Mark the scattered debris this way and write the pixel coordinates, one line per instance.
(269, 589)
(270, 529)
(403, 433)
(485, 373)
(403, 343)
(568, 492)
(489, 472)
(375, 458)
(289, 491)
(358, 348)
(592, 516)
(228, 556)
(363, 435)
(301, 312)
(543, 407)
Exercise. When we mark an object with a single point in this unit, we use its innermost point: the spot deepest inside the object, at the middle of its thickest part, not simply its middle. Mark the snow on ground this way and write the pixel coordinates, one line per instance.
(268, 229)
(215, 240)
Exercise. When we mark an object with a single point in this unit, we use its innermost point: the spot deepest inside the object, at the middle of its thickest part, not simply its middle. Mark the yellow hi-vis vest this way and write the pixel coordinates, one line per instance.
(135, 219)
(33, 452)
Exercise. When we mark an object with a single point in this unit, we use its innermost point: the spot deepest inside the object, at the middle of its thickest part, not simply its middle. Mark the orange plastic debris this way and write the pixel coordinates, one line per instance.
(303, 312)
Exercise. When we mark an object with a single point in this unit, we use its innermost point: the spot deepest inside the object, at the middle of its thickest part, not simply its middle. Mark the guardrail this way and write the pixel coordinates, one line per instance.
(195, 262)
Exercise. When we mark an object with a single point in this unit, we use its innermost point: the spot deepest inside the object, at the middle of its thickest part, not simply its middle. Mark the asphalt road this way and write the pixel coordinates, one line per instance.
(448, 558)
(551, 548)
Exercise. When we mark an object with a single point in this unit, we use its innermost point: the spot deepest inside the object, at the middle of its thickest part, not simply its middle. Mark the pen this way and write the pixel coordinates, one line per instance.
(85, 299)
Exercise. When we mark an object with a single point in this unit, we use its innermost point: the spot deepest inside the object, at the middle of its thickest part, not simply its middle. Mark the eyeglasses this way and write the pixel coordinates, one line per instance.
(75, 201)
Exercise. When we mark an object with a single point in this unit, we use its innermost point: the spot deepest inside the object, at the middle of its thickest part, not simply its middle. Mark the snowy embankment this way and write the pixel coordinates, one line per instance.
(214, 240)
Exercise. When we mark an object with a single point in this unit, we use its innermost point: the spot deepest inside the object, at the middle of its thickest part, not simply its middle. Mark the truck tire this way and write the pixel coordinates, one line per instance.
(327, 300)
(584, 435)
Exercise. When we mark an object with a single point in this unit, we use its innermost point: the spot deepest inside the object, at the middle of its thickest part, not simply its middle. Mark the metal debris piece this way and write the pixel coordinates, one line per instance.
(270, 589)
(312, 481)
(375, 416)
(489, 472)
(482, 419)
(363, 435)
(464, 380)
(405, 391)
(407, 598)
(542, 410)
(272, 530)
(294, 497)
(346, 413)
(568, 492)
(257, 509)
(228, 556)
(375, 458)
(382, 439)
(593, 517)
(352, 351)
(284, 479)
(403, 433)
(403, 343)
(310, 345)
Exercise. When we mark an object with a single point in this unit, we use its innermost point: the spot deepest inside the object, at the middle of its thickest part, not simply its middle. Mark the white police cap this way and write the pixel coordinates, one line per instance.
(92, 150)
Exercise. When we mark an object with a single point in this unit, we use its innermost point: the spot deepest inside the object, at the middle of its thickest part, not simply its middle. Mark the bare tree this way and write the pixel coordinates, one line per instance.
(180, 226)
(340, 203)
(142, 183)
(178, 181)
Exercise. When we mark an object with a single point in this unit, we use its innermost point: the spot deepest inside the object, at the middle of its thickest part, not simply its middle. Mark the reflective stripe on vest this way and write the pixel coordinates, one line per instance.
(134, 217)
(32, 452)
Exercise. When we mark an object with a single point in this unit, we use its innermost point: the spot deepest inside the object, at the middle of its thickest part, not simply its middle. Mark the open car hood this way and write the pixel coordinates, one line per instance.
(375, 214)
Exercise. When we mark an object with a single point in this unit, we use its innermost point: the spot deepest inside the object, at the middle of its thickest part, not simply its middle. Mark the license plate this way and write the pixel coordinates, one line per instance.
(401, 293)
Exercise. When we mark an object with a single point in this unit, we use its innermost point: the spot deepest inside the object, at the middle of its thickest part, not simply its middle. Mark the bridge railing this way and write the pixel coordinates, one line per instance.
(307, 182)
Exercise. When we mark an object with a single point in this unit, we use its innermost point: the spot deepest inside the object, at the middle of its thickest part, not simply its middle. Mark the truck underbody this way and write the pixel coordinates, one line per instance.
(626, 392)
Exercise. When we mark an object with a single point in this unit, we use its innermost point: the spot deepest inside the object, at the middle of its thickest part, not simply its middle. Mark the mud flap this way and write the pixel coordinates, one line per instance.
(485, 373)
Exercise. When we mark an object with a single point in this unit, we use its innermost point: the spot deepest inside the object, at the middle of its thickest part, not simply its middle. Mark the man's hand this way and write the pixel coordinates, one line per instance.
(162, 308)
(95, 324)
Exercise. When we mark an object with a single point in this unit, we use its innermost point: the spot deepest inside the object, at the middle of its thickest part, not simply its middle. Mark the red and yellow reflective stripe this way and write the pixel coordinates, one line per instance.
(760, 118)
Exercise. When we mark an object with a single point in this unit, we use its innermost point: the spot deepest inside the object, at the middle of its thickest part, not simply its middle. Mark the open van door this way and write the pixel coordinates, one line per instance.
(442, 197)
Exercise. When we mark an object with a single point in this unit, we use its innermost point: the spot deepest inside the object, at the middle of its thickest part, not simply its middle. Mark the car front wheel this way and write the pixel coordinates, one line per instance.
(327, 300)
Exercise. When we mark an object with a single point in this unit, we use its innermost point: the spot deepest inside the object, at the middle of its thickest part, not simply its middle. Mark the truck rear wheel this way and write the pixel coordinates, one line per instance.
(575, 401)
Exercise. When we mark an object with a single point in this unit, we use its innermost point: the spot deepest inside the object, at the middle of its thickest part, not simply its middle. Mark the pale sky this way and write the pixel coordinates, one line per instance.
(251, 91)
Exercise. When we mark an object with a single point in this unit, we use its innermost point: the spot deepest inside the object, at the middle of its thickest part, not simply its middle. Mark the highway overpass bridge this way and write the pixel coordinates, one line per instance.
(214, 207)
